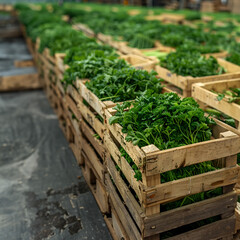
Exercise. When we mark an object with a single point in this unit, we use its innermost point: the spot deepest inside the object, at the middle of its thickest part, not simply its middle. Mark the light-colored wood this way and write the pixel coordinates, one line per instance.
(166, 17)
(203, 92)
(185, 82)
(108, 221)
(91, 99)
(170, 191)
(175, 218)
(93, 158)
(85, 29)
(118, 227)
(131, 203)
(130, 227)
(96, 186)
(123, 165)
(20, 82)
(91, 119)
(96, 143)
(213, 231)
(237, 215)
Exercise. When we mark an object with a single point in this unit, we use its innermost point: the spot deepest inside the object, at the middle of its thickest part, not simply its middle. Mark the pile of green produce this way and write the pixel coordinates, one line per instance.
(163, 120)
(91, 65)
(191, 64)
(54, 40)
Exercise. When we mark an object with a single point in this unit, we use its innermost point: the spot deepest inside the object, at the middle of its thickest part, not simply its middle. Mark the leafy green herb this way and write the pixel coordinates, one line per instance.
(163, 120)
(191, 64)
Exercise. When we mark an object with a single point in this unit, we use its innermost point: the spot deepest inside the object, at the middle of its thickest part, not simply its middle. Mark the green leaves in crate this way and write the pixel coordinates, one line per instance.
(54, 39)
(163, 120)
(91, 66)
(141, 41)
(191, 64)
(83, 50)
(123, 84)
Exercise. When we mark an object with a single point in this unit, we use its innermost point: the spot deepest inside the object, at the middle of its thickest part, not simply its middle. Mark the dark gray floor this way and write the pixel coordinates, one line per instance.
(41, 195)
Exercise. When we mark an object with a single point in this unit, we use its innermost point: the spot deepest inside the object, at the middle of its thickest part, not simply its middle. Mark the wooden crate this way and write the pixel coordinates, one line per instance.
(152, 194)
(203, 92)
(127, 220)
(139, 62)
(185, 82)
(20, 82)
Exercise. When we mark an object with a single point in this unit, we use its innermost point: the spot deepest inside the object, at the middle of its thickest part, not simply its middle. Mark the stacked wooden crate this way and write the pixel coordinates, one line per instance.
(133, 208)
(145, 220)
(186, 82)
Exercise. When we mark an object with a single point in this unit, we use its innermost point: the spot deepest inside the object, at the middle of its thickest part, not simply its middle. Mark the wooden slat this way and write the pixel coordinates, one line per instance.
(93, 158)
(72, 105)
(191, 185)
(126, 194)
(122, 213)
(203, 93)
(20, 82)
(191, 154)
(213, 231)
(175, 218)
(90, 117)
(96, 143)
(91, 99)
(123, 165)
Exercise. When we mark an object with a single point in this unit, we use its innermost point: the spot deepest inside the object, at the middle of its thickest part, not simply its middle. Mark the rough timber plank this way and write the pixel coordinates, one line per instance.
(175, 218)
(20, 82)
(96, 143)
(213, 231)
(191, 185)
(122, 213)
(123, 165)
(126, 194)
(93, 158)
(191, 154)
(91, 99)
(91, 118)
(203, 93)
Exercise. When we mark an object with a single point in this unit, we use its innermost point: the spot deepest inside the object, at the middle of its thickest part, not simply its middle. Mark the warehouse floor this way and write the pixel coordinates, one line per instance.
(42, 192)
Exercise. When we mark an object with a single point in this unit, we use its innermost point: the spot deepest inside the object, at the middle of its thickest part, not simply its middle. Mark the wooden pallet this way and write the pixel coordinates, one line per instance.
(203, 92)
(151, 193)
(186, 82)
